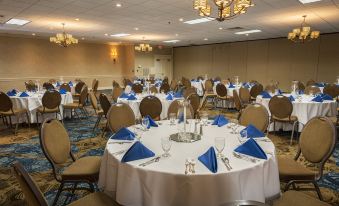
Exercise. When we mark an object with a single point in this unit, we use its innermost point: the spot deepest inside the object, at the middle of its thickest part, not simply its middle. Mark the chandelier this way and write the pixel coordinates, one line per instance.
(143, 47)
(303, 33)
(227, 9)
(63, 39)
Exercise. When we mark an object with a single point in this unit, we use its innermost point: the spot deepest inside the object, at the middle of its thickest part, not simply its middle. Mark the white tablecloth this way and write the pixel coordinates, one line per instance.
(304, 110)
(165, 184)
(34, 101)
(134, 104)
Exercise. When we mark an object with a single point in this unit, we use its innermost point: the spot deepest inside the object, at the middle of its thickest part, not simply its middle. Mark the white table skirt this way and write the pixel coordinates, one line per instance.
(134, 104)
(164, 183)
(304, 110)
(33, 102)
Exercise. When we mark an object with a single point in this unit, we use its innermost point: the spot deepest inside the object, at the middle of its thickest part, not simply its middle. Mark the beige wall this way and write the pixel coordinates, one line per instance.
(262, 60)
(22, 59)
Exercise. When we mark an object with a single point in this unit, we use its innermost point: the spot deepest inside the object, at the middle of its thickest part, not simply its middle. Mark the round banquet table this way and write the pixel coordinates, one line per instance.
(134, 104)
(305, 109)
(164, 183)
(34, 101)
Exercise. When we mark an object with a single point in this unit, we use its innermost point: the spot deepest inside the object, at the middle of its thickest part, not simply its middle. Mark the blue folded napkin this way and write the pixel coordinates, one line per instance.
(62, 91)
(124, 134)
(291, 98)
(231, 86)
(251, 148)
(178, 94)
(136, 152)
(131, 97)
(247, 85)
(266, 95)
(320, 84)
(151, 122)
(326, 97)
(158, 84)
(70, 83)
(252, 132)
(220, 120)
(169, 97)
(301, 91)
(124, 95)
(58, 84)
(24, 94)
(11, 93)
(279, 91)
(317, 99)
(209, 159)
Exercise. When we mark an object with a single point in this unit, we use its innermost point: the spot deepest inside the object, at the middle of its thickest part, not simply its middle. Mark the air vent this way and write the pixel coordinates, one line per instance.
(236, 28)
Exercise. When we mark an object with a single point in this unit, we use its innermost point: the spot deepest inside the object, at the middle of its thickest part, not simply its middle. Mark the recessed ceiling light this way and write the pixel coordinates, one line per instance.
(119, 35)
(176, 34)
(33, 34)
(248, 32)
(136, 28)
(19, 22)
(220, 28)
(118, 5)
(83, 38)
(181, 19)
(171, 41)
(198, 21)
(106, 34)
(205, 39)
(308, 1)
(77, 19)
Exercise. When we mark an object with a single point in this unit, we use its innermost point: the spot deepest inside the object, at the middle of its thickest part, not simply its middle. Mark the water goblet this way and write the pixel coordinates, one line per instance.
(166, 145)
(145, 123)
(172, 117)
(219, 145)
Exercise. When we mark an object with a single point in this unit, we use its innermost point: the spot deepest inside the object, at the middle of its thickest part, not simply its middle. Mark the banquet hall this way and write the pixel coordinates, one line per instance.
(169, 103)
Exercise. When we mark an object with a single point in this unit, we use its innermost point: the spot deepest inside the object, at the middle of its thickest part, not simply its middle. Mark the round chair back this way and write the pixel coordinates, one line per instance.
(105, 103)
(51, 99)
(66, 87)
(208, 85)
(188, 91)
(165, 88)
(318, 139)
(218, 79)
(137, 88)
(301, 86)
(237, 101)
(332, 90)
(175, 109)
(120, 115)
(255, 114)
(256, 90)
(194, 100)
(117, 91)
(95, 85)
(31, 86)
(94, 101)
(271, 88)
(310, 83)
(78, 87)
(280, 106)
(153, 89)
(151, 106)
(312, 89)
(221, 90)
(5, 102)
(173, 85)
(83, 95)
(244, 95)
(186, 82)
(115, 84)
(48, 86)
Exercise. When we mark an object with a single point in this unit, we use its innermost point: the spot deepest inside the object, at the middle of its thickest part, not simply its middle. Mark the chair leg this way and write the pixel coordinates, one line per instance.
(104, 130)
(97, 122)
(317, 190)
(37, 119)
(16, 125)
(287, 186)
(292, 135)
(58, 194)
(28, 120)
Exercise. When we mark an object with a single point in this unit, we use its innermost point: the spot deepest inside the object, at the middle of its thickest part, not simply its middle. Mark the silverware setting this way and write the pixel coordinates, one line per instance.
(126, 142)
(254, 160)
(226, 162)
(263, 140)
(119, 152)
(156, 159)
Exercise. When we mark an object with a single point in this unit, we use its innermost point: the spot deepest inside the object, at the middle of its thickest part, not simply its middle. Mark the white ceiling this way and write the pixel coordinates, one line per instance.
(97, 17)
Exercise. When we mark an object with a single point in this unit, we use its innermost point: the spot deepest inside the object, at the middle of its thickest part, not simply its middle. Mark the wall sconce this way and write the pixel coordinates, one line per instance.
(114, 54)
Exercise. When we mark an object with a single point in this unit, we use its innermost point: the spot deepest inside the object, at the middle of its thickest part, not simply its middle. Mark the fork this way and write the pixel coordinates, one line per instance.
(227, 163)
(156, 159)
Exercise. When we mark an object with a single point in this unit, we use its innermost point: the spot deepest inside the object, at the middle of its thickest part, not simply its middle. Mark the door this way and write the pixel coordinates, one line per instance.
(163, 66)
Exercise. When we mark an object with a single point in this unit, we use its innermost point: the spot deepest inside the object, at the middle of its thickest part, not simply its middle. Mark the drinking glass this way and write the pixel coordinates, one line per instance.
(242, 137)
(166, 144)
(204, 118)
(145, 123)
(137, 133)
(219, 145)
(173, 117)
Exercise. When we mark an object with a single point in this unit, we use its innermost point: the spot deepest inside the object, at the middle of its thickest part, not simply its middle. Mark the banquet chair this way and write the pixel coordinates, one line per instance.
(153, 89)
(222, 93)
(78, 105)
(244, 95)
(271, 88)
(165, 87)
(117, 91)
(78, 88)
(332, 90)
(151, 106)
(175, 108)
(105, 105)
(165, 80)
(33, 195)
(295, 198)
(98, 111)
(174, 85)
(48, 86)
(56, 146)
(52, 81)
(255, 114)
(301, 86)
(312, 90)
(208, 93)
(50, 104)
(194, 100)
(316, 144)
(281, 109)
(66, 87)
(137, 88)
(115, 84)
(255, 91)
(200, 78)
(7, 110)
(120, 115)
(310, 83)
(31, 86)
(126, 82)
(95, 85)
(237, 102)
(188, 91)
(217, 79)
(186, 82)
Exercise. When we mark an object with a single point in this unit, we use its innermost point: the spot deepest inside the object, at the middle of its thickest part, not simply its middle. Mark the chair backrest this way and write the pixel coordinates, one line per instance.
(51, 99)
(153, 89)
(318, 139)
(312, 89)
(165, 80)
(237, 101)
(137, 88)
(126, 82)
(52, 81)
(186, 82)
(194, 100)
(48, 86)
(31, 191)
(332, 90)
(255, 114)
(55, 142)
(95, 85)
(151, 106)
(78, 87)
(301, 86)
(165, 87)
(66, 87)
(208, 85)
(221, 90)
(256, 90)
(104, 103)
(83, 95)
(175, 108)
(120, 115)
(115, 84)
(94, 101)
(173, 84)
(5, 102)
(280, 106)
(244, 95)
(310, 82)
(200, 78)
(271, 88)
(188, 91)
(31, 86)
(117, 91)
(217, 78)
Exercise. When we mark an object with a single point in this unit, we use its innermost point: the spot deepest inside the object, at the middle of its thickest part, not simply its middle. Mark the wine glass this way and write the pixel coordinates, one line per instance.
(204, 118)
(145, 123)
(166, 144)
(242, 136)
(219, 145)
(137, 134)
(172, 117)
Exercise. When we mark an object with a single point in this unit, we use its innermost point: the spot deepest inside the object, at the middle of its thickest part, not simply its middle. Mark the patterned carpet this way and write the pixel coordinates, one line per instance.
(25, 147)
